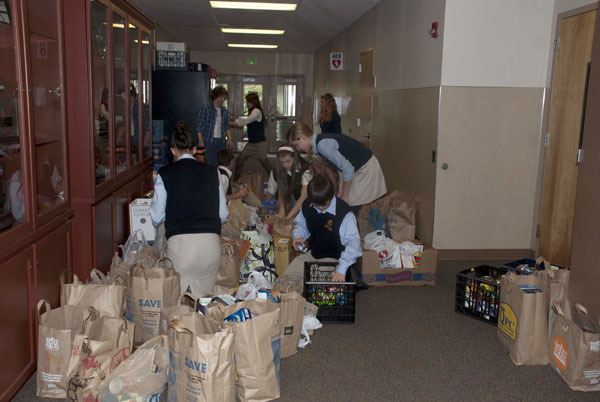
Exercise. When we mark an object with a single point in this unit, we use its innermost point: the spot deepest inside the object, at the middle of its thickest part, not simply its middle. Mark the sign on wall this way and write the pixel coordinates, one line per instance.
(336, 61)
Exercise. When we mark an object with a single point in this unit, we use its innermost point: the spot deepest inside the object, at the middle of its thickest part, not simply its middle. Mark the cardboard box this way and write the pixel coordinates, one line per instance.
(139, 217)
(423, 274)
(284, 254)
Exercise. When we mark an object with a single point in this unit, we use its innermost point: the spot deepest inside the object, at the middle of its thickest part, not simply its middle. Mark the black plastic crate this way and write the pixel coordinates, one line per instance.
(336, 300)
(478, 292)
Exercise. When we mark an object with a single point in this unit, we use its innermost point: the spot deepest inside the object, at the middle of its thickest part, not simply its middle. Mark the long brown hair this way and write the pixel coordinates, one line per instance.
(297, 130)
(253, 99)
(328, 109)
(299, 166)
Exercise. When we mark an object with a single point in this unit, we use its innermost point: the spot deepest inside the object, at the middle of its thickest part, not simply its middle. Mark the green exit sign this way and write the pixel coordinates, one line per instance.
(251, 60)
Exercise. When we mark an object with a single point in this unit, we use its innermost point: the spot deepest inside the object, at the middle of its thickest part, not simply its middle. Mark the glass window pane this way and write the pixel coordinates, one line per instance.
(120, 88)
(146, 116)
(100, 92)
(46, 81)
(286, 100)
(134, 90)
(12, 187)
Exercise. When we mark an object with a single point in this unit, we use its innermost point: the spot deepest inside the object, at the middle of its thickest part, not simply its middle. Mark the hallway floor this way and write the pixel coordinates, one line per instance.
(408, 344)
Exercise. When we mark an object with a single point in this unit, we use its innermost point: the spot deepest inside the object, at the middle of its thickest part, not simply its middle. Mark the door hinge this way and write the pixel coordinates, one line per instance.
(546, 140)
(579, 156)
(374, 81)
(557, 43)
(360, 68)
(433, 156)
(538, 230)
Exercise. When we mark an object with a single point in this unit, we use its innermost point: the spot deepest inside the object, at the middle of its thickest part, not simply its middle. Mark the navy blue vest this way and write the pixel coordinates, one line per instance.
(256, 131)
(324, 229)
(356, 153)
(192, 198)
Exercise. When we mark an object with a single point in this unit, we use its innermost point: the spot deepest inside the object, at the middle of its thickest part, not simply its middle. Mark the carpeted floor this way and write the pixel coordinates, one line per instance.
(408, 344)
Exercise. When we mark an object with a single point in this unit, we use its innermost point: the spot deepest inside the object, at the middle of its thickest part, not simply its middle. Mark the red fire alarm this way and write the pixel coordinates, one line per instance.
(434, 31)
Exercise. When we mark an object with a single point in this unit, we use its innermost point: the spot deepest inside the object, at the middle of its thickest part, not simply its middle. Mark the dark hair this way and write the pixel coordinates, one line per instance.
(320, 190)
(181, 138)
(253, 99)
(218, 91)
(225, 156)
(286, 189)
(329, 108)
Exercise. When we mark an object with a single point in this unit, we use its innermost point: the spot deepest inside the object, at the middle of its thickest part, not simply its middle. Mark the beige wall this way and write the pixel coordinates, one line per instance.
(407, 68)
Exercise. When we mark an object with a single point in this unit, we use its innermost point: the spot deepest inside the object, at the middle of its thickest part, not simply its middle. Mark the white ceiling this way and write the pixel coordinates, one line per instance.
(312, 25)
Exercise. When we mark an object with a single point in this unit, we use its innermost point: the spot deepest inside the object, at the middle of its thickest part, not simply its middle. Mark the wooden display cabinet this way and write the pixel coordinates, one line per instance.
(109, 56)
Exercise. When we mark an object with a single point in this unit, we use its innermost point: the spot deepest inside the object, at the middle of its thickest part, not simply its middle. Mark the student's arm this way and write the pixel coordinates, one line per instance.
(350, 239)
(298, 205)
(159, 202)
(223, 211)
(200, 126)
(300, 232)
(241, 193)
(329, 149)
(255, 115)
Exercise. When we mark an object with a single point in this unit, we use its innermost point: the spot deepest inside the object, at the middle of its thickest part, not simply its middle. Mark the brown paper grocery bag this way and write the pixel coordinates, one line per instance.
(105, 343)
(106, 299)
(575, 346)
(57, 329)
(559, 281)
(290, 324)
(523, 318)
(186, 305)
(232, 252)
(150, 290)
(257, 351)
(201, 360)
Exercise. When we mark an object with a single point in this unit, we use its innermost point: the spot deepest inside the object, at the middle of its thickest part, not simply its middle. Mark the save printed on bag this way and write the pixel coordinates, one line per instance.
(201, 365)
(575, 346)
(523, 317)
(105, 343)
(150, 290)
(257, 351)
(107, 299)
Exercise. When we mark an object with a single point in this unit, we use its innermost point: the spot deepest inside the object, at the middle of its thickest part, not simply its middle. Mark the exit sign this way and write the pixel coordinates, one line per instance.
(251, 60)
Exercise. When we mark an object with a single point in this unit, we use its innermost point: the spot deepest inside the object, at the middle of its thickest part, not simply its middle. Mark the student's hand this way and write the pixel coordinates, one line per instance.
(337, 277)
(298, 242)
(243, 191)
(281, 212)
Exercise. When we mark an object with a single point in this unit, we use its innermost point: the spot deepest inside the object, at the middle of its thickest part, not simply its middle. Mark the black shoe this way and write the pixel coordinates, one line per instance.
(361, 284)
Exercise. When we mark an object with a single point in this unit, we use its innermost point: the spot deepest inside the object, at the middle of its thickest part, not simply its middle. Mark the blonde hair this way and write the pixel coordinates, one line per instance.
(297, 130)
(329, 107)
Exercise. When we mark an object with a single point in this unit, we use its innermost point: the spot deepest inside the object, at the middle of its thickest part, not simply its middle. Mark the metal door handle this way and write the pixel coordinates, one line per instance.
(56, 91)
(444, 166)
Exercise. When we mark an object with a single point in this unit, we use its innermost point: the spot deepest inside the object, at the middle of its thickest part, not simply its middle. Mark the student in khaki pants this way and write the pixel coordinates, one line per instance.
(189, 198)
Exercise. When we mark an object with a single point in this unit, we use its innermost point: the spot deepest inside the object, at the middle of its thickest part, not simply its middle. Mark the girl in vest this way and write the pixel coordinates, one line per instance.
(257, 146)
(362, 178)
(289, 181)
(329, 119)
(190, 200)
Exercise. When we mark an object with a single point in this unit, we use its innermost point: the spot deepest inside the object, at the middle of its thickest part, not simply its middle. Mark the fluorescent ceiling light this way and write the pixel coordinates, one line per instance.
(243, 5)
(252, 45)
(253, 31)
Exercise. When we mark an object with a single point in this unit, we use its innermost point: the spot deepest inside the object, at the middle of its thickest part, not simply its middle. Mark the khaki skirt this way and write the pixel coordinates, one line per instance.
(368, 184)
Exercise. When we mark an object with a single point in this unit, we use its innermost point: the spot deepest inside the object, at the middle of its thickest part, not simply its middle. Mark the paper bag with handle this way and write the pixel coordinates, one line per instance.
(201, 360)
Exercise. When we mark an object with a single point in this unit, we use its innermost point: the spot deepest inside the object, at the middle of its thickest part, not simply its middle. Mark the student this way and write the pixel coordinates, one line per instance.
(327, 225)
(257, 146)
(289, 181)
(189, 198)
(362, 178)
(225, 157)
(329, 119)
(212, 125)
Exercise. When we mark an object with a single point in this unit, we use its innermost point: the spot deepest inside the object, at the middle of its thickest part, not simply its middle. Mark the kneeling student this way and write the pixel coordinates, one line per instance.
(329, 226)
(226, 162)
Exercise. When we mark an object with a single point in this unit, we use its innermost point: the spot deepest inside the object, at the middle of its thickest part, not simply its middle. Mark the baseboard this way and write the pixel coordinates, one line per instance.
(484, 254)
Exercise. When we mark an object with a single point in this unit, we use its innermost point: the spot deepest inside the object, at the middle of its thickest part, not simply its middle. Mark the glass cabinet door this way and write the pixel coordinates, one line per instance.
(120, 88)
(47, 102)
(100, 92)
(12, 180)
(145, 93)
(134, 90)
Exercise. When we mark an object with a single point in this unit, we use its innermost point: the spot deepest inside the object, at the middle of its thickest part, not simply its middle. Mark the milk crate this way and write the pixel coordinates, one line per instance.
(478, 292)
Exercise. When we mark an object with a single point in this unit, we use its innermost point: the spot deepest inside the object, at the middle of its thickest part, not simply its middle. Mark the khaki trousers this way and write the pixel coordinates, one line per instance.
(197, 258)
(295, 271)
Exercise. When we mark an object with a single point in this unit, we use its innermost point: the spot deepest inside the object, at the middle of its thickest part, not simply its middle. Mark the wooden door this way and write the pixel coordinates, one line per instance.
(51, 258)
(365, 107)
(574, 47)
(16, 315)
(585, 260)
